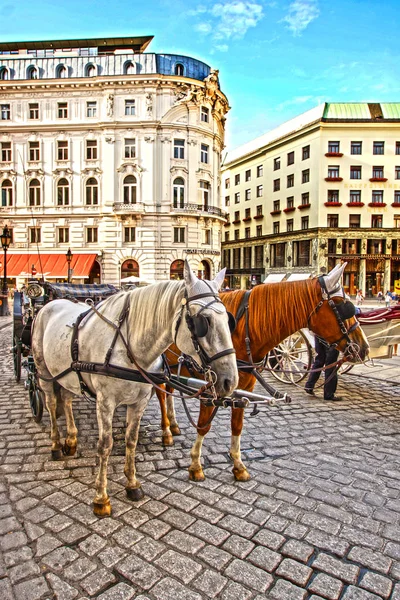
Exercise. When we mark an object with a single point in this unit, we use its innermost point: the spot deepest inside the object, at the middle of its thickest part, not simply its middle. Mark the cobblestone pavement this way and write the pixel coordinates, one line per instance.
(319, 518)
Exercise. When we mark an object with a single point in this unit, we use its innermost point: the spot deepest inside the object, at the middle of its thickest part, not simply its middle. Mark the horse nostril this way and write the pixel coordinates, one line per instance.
(228, 385)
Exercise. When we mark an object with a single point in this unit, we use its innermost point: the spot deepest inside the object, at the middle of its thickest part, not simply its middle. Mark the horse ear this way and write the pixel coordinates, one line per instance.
(188, 275)
(219, 278)
(334, 277)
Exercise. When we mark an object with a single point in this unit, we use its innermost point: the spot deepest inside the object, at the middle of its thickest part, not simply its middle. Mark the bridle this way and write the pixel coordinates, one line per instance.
(343, 311)
(198, 325)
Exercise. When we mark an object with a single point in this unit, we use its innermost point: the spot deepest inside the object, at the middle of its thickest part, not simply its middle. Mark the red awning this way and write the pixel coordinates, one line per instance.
(49, 266)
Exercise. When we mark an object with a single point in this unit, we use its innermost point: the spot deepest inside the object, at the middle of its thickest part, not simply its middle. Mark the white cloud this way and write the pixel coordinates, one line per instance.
(301, 14)
(228, 20)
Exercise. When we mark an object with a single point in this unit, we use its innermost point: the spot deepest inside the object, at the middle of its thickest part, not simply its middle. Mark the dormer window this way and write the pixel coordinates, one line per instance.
(179, 69)
(205, 114)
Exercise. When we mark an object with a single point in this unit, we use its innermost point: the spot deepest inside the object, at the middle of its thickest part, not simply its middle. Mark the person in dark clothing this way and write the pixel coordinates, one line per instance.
(325, 355)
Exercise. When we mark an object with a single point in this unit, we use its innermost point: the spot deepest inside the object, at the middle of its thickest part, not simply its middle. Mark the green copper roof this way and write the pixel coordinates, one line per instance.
(348, 110)
(390, 110)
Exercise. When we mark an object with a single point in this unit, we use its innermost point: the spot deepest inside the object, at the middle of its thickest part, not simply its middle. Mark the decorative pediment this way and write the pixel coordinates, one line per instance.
(179, 170)
(8, 174)
(62, 172)
(130, 168)
(32, 173)
(91, 171)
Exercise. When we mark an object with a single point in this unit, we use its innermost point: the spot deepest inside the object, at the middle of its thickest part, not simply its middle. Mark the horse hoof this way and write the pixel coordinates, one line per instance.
(196, 475)
(135, 494)
(175, 430)
(56, 454)
(167, 440)
(241, 474)
(102, 509)
(68, 450)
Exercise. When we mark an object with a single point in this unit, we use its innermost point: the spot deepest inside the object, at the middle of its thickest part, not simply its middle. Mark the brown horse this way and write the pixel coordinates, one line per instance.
(275, 311)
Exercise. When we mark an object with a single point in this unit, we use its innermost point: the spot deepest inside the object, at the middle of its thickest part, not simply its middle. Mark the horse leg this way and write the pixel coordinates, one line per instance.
(167, 438)
(71, 440)
(171, 413)
(51, 405)
(196, 472)
(239, 470)
(133, 416)
(105, 412)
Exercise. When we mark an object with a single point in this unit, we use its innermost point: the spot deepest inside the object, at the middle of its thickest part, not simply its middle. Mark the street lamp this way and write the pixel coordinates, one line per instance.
(5, 242)
(69, 256)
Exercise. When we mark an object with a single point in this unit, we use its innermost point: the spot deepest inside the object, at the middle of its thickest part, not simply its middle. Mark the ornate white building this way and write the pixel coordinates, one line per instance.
(112, 152)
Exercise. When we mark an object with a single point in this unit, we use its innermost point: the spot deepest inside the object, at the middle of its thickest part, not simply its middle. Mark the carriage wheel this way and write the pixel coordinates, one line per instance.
(17, 358)
(291, 360)
(36, 399)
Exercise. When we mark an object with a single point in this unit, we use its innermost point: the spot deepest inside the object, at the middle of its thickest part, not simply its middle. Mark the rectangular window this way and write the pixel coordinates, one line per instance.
(247, 195)
(306, 152)
(277, 163)
(277, 255)
(397, 150)
(62, 150)
(277, 205)
(305, 176)
(259, 191)
(247, 175)
(237, 179)
(290, 181)
(332, 221)
(247, 213)
(377, 172)
(355, 196)
(290, 158)
(333, 196)
(260, 171)
(247, 257)
(5, 112)
(91, 109)
(179, 149)
(333, 147)
(277, 185)
(130, 148)
(259, 230)
(34, 235)
(204, 153)
(397, 172)
(377, 196)
(207, 236)
(396, 197)
(290, 202)
(236, 234)
(377, 221)
(179, 235)
(63, 235)
(205, 114)
(355, 172)
(62, 110)
(378, 148)
(129, 234)
(396, 221)
(302, 253)
(130, 108)
(304, 222)
(6, 154)
(91, 235)
(333, 172)
(259, 210)
(275, 227)
(356, 148)
(247, 232)
(305, 199)
(259, 256)
(91, 149)
(354, 221)
(237, 216)
(227, 183)
(34, 151)
(227, 236)
(237, 197)
(227, 201)
(34, 110)
(289, 225)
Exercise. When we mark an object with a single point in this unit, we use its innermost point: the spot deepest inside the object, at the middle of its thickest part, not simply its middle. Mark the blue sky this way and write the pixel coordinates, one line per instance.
(276, 58)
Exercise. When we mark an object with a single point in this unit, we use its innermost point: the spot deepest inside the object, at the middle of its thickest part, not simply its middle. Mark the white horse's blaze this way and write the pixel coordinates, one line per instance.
(149, 329)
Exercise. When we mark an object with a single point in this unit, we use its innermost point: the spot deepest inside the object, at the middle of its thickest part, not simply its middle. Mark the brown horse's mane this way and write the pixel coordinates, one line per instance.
(275, 310)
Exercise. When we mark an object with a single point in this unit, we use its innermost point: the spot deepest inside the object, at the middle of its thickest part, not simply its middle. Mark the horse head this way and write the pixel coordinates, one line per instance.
(334, 318)
(209, 343)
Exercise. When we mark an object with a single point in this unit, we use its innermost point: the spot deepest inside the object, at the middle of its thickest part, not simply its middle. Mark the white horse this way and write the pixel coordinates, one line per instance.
(188, 312)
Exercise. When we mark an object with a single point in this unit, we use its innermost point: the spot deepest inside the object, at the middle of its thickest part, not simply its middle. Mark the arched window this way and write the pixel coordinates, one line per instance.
(179, 69)
(4, 74)
(176, 269)
(179, 193)
(34, 192)
(63, 192)
(130, 187)
(129, 68)
(32, 73)
(205, 190)
(62, 72)
(90, 70)
(6, 193)
(92, 192)
(129, 267)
